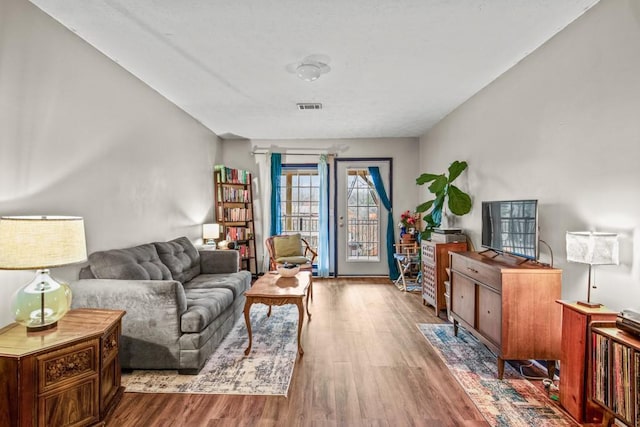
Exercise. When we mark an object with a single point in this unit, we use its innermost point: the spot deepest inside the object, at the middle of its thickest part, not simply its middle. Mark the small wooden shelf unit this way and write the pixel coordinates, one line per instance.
(509, 307)
(67, 376)
(574, 360)
(233, 198)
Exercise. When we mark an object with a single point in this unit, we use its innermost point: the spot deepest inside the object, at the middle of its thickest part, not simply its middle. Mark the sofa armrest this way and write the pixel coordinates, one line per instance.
(219, 261)
(153, 307)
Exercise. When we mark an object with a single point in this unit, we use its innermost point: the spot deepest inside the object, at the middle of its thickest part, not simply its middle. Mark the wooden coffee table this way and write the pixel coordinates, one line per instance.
(273, 289)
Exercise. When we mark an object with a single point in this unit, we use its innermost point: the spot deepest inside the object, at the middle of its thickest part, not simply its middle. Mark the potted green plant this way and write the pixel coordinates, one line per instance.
(444, 191)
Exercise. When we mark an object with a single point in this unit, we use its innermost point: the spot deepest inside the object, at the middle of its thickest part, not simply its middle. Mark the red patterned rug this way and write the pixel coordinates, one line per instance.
(511, 402)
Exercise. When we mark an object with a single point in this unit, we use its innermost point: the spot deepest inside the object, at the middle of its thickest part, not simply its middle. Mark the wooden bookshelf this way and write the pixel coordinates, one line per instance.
(614, 373)
(233, 197)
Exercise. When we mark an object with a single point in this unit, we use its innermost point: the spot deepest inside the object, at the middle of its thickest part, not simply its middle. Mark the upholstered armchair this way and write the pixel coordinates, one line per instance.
(292, 249)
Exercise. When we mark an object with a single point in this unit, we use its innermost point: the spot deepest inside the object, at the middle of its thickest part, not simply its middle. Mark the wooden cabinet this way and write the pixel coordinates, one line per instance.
(614, 373)
(67, 376)
(574, 359)
(234, 212)
(509, 307)
(435, 262)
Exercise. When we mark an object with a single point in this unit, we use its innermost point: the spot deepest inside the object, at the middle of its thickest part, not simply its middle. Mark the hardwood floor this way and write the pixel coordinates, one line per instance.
(365, 364)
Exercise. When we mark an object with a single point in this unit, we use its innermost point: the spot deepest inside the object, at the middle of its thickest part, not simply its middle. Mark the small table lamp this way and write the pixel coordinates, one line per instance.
(39, 243)
(594, 249)
(210, 232)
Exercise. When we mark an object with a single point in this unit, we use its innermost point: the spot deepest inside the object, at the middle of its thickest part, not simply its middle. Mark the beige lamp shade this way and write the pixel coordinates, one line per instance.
(210, 231)
(39, 242)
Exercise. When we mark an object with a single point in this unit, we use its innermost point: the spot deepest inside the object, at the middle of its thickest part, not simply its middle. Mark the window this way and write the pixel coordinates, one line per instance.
(363, 217)
(299, 202)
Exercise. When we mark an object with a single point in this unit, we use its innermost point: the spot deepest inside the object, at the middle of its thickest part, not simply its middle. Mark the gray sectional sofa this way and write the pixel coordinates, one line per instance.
(180, 301)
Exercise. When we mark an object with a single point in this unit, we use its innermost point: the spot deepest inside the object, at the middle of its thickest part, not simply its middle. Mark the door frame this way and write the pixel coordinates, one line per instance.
(335, 198)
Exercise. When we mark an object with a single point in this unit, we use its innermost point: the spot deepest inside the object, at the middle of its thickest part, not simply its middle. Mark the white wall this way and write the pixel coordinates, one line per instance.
(81, 136)
(562, 126)
(403, 151)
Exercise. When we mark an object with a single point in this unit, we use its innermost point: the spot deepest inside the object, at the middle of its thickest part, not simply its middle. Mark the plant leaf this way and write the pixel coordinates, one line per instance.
(426, 177)
(439, 184)
(428, 219)
(423, 207)
(455, 169)
(459, 201)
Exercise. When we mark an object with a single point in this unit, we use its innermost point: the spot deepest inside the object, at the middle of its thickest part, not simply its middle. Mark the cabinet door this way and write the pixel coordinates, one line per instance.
(490, 314)
(73, 405)
(429, 283)
(463, 298)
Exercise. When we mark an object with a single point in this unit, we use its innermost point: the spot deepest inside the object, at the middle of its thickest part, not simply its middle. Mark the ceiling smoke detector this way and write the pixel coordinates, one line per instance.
(311, 67)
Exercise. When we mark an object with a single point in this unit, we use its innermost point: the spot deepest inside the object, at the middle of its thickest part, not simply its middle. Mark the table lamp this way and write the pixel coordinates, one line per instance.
(40, 243)
(210, 232)
(594, 249)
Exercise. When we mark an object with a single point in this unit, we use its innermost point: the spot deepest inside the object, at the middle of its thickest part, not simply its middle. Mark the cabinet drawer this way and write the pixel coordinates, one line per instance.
(67, 365)
(477, 271)
(490, 314)
(463, 293)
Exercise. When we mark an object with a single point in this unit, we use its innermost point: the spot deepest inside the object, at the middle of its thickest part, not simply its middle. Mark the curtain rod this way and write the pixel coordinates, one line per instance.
(287, 152)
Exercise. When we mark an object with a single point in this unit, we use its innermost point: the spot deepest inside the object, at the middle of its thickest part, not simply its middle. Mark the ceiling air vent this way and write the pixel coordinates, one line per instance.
(309, 106)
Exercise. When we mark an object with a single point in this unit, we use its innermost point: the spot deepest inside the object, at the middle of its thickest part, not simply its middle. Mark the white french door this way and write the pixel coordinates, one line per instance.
(361, 219)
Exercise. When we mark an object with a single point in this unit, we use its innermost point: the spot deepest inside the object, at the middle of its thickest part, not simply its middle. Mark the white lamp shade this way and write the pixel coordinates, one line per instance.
(210, 231)
(39, 242)
(592, 248)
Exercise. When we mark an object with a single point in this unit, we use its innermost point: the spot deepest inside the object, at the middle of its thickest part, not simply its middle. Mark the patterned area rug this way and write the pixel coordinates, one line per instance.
(511, 402)
(266, 370)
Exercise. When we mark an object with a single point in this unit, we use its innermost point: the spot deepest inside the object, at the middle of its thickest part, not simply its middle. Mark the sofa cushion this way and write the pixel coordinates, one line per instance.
(237, 283)
(181, 257)
(286, 246)
(137, 263)
(203, 307)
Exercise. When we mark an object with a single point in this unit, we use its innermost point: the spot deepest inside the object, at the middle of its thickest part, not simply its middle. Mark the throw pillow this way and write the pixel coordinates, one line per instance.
(286, 246)
(181, 257)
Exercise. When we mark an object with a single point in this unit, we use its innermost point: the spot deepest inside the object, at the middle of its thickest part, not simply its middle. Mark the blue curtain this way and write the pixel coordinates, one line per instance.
(276, 172)
(323, 219)
(374, 171)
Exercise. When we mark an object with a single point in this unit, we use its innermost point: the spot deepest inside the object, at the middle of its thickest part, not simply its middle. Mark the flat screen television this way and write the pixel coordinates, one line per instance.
(511, 226)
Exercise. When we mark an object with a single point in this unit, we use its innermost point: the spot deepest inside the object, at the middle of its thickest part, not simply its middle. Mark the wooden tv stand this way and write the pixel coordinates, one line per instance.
(509, 306)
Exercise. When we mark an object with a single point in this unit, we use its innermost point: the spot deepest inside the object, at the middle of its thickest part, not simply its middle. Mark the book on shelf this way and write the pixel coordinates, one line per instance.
(238, 233)
(233, 176)
(600, 377)
(235, 195)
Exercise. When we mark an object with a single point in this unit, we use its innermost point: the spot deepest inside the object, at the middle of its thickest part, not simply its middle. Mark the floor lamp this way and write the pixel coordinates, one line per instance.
(594, 249)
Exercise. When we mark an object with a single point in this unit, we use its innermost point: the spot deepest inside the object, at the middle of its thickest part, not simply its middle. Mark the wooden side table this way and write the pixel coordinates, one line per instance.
(67, 376)
(574, 359)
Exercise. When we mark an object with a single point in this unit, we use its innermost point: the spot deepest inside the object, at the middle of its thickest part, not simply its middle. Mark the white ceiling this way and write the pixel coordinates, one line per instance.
(397, 66)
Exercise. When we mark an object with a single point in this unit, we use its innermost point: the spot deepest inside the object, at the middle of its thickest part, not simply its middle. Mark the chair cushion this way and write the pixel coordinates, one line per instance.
(137, 263)
(287, 246)
(292, 260)
(181, 257)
